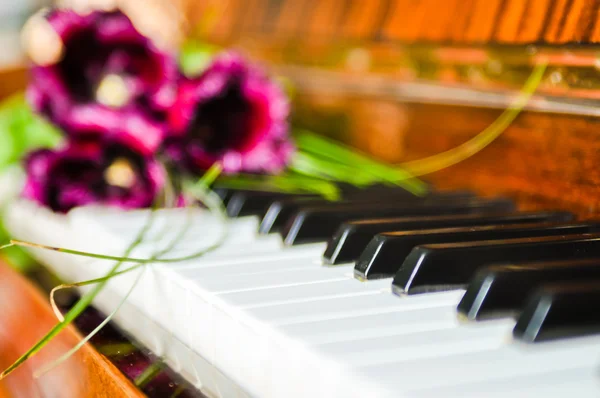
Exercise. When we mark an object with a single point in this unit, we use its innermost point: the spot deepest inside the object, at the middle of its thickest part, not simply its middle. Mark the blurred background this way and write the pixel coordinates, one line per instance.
(13, 14)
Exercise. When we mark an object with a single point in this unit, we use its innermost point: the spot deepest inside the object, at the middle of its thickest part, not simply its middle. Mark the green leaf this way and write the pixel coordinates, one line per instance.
(196, 56)
(321, 147)
(21, 131)
(16, 256)
(313, 166)
(287, 182)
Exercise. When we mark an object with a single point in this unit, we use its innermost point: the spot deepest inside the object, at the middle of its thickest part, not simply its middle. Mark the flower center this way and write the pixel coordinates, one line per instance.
(120, 173)
(224, 122)
(112, 91)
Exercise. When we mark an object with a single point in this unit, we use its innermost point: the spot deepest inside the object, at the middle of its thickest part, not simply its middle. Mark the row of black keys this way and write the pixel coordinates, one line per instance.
(448, 241)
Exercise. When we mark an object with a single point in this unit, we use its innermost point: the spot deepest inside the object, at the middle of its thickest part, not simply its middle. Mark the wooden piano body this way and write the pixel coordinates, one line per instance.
(400, 79)
(404, 79)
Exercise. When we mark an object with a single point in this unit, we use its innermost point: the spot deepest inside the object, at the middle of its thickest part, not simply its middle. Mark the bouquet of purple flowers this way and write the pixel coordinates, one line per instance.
(129, 114)
(133, 122)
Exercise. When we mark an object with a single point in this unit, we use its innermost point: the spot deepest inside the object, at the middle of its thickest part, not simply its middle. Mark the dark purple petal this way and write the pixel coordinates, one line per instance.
(108, 67)
(232, 114)
(93, 172)
(130, 126)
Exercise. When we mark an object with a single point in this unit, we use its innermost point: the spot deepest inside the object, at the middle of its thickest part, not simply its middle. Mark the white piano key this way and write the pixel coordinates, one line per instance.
(287, 314)
(512, 360)
(202, 266)
(167, 224)
(292, 364)
(254, 267)
(238, 283)
(285, 254)
(302, 293)
(420, 345)
(185, 248)
(248, 350)
(497, 332)
(576, 382)
(376, 324)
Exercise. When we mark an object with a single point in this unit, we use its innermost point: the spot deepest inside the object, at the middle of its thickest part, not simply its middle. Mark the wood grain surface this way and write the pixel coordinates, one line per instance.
(25, 316)
(548, 22)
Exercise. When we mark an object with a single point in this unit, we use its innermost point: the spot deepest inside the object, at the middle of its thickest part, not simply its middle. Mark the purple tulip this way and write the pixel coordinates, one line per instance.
(232, 114)
(108, 76)
(93, 172)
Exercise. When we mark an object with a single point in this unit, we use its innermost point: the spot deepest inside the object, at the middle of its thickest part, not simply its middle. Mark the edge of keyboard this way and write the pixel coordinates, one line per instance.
(189, 364)
(155, 306)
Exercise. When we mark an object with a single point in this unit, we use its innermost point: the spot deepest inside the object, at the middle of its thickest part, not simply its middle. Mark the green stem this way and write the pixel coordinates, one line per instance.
(81, 284)
(211, 175)
(78, 308)
(148, 374)
(209, 198)
(110, 316)
(117, 349)
(180, 389)
(68, 354)
(455, 155)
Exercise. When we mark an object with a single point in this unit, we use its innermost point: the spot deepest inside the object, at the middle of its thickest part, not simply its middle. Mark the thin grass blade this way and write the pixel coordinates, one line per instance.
(78, 308)
(48, 367)
(483, 139)
(64, 286)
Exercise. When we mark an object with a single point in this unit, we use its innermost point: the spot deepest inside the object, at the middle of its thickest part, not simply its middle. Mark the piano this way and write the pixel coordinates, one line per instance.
(487, 287)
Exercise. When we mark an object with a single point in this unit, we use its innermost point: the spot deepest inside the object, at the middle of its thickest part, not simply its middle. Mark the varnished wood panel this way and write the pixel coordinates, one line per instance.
(253, 15)
(25, 316)
(531, 29)
(362, 19)
(545, 161)
(12, 80)
(408, 21)
(289, 22)
(513, 12)
(434, 26)
(462, 17)
(482, 11)
(324, 18)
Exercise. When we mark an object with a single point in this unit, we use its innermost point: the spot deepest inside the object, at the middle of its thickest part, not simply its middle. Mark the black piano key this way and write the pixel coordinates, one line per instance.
(560, 311)
(398, 193)
(499, 291)
(248, 203)
(225, 194)
(222, 192)
(313, 224)
(384, 256)
(280, 211)
(353, 237)
(449, 266)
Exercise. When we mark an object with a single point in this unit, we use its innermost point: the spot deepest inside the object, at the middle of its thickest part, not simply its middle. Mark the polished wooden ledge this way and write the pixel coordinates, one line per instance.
(25, 316)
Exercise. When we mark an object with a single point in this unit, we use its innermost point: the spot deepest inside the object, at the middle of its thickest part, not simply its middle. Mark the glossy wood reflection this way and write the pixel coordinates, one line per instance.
(25, 316)
(408, 21)
(545, 161)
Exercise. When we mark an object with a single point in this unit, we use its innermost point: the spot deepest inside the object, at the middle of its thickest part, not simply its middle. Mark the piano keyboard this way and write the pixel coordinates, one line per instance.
(380, 295)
